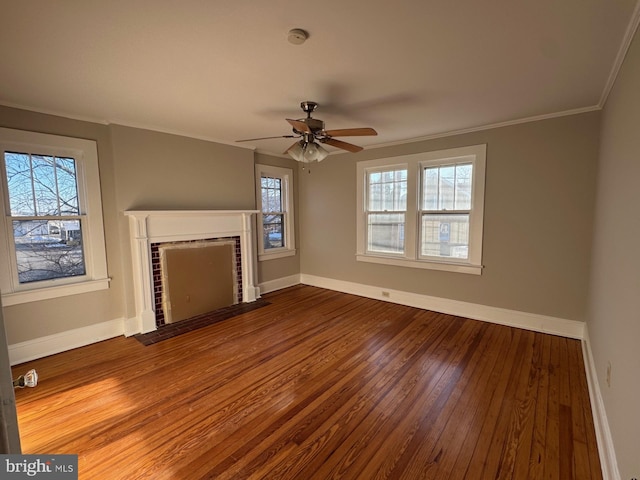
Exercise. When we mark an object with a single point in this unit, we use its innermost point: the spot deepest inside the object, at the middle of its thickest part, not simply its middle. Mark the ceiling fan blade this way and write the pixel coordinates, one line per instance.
(350, 147)
(351, 132)
(299, 126)
(267, 138)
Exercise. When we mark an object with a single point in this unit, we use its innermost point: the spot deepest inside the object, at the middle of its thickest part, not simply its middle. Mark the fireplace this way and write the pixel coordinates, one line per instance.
(168, 230)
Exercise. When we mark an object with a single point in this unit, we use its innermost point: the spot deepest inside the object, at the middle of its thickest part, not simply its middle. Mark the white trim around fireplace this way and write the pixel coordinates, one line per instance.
(155, 226)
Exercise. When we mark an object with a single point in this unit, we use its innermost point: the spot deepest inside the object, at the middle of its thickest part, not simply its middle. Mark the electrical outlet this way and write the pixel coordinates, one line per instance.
(609, 374)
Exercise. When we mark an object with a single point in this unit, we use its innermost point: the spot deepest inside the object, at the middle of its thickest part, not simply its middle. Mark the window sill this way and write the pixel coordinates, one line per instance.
(278, 254)
(424, 264)
(46, 293)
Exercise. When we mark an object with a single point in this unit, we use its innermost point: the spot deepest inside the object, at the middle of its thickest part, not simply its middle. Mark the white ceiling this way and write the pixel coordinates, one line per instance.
(224, 70)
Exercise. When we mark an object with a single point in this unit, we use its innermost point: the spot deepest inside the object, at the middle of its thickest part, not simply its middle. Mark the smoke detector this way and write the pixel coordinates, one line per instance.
(297, 36)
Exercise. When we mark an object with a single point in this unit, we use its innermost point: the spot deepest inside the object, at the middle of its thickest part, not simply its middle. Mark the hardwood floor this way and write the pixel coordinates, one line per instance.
(319, 385)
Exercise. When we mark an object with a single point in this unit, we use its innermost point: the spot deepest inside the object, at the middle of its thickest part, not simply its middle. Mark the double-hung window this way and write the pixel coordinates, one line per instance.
(53, 238)
(274, 188)
(423, 210)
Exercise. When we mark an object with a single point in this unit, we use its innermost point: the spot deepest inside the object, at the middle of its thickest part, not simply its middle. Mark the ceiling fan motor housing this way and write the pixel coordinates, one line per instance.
(314, 124)
(308, 107)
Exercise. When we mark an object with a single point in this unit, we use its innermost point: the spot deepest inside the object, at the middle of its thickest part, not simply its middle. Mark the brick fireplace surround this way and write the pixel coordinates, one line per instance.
(156, 271)
(149, 228)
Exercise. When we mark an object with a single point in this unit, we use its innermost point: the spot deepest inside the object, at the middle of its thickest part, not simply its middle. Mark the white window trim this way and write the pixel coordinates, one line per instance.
(286, 175)
(414, 164)
(85, 153)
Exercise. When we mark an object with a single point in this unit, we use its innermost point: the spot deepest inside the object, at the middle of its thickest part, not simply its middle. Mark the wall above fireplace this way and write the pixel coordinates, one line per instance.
(147, 227)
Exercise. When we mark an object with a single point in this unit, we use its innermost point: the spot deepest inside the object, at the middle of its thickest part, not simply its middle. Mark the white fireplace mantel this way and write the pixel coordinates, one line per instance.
(156, 226)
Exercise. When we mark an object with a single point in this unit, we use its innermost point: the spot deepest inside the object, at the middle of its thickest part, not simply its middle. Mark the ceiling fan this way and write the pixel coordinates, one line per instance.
(312, 133)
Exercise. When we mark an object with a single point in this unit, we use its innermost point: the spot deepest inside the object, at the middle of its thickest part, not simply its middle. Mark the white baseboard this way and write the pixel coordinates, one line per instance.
(603, 434)
(279, 283)
(60, 342)
(502, 316)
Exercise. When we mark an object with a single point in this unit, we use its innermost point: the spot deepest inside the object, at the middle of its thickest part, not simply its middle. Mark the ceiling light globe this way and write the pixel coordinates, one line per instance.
(311, 152)
(322, 153)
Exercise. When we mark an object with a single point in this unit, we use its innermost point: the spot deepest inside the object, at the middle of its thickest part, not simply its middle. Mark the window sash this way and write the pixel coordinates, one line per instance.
(273, 213)
(40, 184)
(445, 235)
(47, 257)
(386, 232)
(447, 186)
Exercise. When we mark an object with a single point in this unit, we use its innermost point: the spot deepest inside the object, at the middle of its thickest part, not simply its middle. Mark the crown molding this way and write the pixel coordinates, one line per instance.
(622, 53)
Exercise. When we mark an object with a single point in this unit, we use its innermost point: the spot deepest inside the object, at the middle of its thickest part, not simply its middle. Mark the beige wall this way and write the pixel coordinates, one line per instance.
(540, 187)
(139, 169)
(160, 171)
(613, 321)
(275, 269)
(539, 203)
(38, 319)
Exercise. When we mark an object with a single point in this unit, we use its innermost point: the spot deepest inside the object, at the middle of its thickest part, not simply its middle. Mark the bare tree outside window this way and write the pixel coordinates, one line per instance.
(45, 213)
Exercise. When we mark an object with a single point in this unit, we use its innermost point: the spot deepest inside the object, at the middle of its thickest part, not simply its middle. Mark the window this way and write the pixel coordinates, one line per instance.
(423, 210)
(274, 189)
(53, 235)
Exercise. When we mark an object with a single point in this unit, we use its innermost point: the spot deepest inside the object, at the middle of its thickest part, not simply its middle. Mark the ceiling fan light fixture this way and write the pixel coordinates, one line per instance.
(322, 153)
(311, 131)
(307, 152)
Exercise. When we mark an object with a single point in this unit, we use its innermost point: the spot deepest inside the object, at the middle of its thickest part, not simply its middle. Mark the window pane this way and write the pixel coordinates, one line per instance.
(445, 236)
(464, 175)
(67, 186)
(273, 216)
(273, 231)
(18, 166)
(447, 188)
(45, 189)
(40, 185)
(387, 191)
(271, 194)
(385, 232)
(48, 249)
(430, 188)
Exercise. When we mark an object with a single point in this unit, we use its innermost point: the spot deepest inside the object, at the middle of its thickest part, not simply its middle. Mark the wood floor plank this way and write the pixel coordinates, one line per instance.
(319, 385)
(482, 399)
(477, 465)
(552, 438)
(539, 434)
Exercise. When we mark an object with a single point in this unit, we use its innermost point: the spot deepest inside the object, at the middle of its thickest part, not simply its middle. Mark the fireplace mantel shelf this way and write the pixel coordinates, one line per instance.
(154, 226)
(186, 212)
